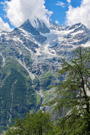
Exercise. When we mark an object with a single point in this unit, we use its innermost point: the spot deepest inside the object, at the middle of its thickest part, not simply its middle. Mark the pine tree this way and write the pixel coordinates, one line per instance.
(73, 94)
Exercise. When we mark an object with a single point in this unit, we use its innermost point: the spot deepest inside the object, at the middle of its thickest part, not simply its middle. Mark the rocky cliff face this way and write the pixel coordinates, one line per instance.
(28, 57)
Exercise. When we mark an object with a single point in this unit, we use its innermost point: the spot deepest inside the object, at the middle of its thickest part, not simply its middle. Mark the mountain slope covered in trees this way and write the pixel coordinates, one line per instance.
(73, 100)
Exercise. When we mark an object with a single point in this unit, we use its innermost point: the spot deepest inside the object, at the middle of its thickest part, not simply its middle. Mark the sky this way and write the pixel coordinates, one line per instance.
(62, 12)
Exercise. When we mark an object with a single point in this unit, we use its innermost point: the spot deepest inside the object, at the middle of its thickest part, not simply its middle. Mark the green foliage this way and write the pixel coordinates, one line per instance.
(46, 80)
(73, 99)
(74, 124)
(34, 124)
(17, 96)
(72, 103)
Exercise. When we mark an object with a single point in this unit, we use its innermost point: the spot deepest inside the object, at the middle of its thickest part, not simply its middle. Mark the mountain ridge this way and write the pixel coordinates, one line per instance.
(33, 55)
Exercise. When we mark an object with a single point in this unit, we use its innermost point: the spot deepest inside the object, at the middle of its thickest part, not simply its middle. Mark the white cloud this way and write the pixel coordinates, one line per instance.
(69, 1)
(20, 10)
(61, 4)
(56, 22)
(79, 14)
(4, 26)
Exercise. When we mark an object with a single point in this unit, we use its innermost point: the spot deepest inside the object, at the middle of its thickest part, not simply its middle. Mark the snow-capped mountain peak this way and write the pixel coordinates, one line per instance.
(57, 42)
(29, 28)
(41, 26)
(31, 51)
